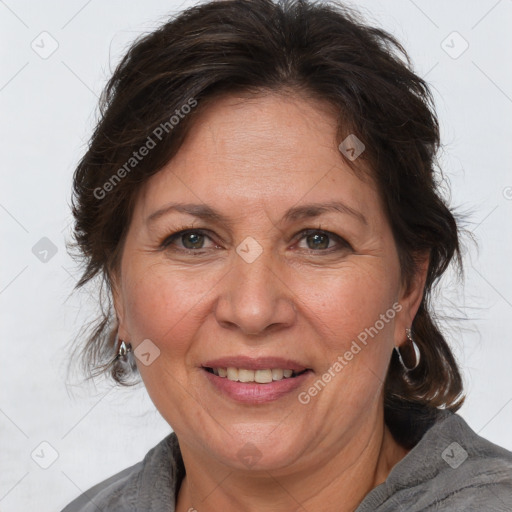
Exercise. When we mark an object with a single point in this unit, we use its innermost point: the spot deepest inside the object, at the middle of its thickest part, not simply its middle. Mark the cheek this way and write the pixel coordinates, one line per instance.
(354, 344)
(352, 304)
(161, 304)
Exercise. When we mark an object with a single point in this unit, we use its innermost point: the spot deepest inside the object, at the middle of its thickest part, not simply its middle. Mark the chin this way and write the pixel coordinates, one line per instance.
(258, 450)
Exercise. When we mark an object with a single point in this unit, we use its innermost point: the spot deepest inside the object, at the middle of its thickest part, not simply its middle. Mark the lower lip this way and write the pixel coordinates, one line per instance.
(253, 393)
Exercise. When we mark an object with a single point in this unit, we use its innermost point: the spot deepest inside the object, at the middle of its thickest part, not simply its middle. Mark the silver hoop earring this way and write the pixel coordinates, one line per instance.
(415, 351)
(122, 351)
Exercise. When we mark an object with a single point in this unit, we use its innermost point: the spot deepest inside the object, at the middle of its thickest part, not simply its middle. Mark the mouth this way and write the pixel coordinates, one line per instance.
(261, 376)
(255, 381)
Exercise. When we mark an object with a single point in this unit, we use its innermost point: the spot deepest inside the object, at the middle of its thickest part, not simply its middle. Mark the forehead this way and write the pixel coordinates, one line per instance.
(270, 150)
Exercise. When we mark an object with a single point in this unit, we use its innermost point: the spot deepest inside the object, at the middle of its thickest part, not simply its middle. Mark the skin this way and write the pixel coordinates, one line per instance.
(252, 159)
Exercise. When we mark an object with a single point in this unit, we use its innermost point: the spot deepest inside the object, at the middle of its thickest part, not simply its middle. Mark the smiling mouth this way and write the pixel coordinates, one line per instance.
(265, 376)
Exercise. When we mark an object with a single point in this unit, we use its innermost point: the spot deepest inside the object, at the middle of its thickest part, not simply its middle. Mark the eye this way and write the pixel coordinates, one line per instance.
(196, 240)
(189, 240)
(323, 241)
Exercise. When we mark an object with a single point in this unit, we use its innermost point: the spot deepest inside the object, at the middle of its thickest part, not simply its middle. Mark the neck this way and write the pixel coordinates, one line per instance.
(342, 479)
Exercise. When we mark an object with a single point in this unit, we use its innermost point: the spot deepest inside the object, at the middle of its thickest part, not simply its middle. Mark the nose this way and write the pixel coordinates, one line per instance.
(255, 298)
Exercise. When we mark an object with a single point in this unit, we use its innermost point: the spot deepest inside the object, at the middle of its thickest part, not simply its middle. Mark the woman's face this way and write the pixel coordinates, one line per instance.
(288, 263)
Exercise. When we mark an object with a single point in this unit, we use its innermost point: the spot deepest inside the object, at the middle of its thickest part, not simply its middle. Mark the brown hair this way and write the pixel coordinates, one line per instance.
(320, 50)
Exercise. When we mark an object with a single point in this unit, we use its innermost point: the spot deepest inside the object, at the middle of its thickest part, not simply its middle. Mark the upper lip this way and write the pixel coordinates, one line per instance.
(251, 363)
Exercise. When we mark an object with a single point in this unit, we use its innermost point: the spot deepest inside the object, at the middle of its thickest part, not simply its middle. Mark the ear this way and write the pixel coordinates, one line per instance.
(411, 295)
(119, 306)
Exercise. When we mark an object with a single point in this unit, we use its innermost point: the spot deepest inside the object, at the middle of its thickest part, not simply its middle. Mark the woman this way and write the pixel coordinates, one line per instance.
(260, 199)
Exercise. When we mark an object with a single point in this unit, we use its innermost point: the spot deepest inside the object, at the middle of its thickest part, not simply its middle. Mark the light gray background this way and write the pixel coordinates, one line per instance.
(48, 109)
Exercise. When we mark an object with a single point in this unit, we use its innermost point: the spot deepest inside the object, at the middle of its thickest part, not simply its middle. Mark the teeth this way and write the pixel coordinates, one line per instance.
(259, 376)
(232, 374)
(263, 376)
(246, 375)
(277, 374)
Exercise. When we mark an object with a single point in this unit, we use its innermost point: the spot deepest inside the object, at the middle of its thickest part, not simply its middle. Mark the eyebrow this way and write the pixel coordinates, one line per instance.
(306, 211)
(313, 210)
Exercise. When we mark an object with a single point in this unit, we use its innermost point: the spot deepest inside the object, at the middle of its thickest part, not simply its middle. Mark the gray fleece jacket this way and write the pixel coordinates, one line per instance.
(450, 469)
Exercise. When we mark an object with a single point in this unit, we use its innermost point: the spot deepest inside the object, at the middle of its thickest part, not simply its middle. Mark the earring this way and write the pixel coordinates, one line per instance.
(123, 350)
(415, 350)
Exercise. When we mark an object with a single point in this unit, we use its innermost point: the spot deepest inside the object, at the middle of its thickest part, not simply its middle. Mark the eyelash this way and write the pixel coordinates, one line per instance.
(344, 245)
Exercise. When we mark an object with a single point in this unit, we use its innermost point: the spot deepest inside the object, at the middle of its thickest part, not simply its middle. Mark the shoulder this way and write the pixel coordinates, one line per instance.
(460, 470)
(126, 490)
(114, 493)
(450, 468)
(474, 474)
